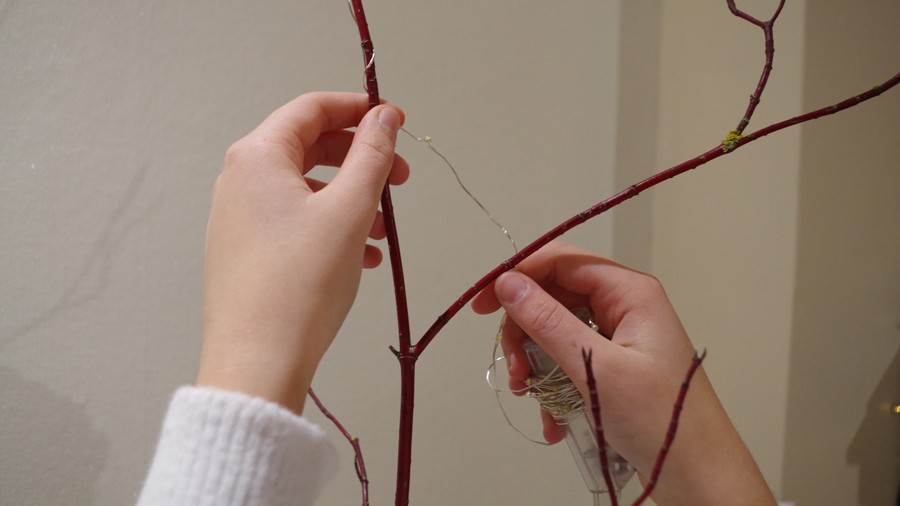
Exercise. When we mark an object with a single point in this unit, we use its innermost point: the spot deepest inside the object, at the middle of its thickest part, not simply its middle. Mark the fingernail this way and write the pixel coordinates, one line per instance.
(389, 118)
(510, 287)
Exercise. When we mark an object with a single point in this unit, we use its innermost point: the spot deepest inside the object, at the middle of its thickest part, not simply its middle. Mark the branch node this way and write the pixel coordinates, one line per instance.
(730, 142)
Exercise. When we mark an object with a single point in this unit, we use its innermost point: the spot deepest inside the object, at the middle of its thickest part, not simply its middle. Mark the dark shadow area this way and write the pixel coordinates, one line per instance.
(45, 440)
(878, 441)
(847, 292)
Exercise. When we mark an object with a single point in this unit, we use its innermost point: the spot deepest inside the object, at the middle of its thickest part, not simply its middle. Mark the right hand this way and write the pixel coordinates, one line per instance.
(639, 370)
(285, 252)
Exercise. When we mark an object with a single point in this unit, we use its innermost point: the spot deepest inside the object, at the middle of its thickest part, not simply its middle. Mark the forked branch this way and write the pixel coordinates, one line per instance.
(358, 462)
(767, 68)
(634, 190)
(407, 353)
(673, 427)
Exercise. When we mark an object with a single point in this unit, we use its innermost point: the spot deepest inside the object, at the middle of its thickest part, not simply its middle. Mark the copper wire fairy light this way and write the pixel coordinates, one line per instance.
(428, 142)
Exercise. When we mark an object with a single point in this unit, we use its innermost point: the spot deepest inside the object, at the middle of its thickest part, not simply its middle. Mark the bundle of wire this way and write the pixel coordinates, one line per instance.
(554, 391)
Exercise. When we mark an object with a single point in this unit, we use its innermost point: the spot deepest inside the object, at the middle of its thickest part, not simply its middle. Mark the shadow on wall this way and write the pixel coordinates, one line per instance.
(45, 440)
(878, 441)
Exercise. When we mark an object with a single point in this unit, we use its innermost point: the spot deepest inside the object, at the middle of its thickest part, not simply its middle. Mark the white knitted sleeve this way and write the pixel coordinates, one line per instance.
(225, 448)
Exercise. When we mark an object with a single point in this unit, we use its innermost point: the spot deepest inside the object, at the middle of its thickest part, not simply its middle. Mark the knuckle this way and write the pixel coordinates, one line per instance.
(650, 282)
(644, 289)
(239, 153)
(380, 153)
(249, 153)
(546, 317)
(240, 160)
(217, 185)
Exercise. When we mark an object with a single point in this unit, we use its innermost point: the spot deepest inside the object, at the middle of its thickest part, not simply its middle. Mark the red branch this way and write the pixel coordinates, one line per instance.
(598, 426)
(405, 357)
(407, 354)
(359, 15)
(673, 427)
(633, 191)
(358, 462)
(767, 68)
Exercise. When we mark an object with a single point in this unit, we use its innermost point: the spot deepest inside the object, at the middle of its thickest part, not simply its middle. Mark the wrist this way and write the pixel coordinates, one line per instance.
(259, 363)
(709, 464)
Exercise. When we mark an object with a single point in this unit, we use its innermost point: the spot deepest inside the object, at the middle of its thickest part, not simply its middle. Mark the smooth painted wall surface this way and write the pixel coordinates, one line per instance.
(724, 235)
(115, 116)
(782, 257)
(843, 443)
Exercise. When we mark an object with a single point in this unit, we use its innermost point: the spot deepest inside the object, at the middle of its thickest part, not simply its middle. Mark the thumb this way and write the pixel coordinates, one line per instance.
(550, 324)
(368, 163)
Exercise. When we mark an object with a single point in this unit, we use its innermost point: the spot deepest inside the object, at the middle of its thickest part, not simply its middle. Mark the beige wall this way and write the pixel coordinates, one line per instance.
(782, 258)
(845, 352)
(724, 235)
(115, 115)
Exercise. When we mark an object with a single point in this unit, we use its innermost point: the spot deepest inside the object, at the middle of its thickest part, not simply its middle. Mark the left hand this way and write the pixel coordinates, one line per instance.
(284, 252)
(639, 370)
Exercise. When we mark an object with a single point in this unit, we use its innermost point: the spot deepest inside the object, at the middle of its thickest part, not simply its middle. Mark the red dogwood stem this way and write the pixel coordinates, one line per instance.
(587, 356)
(770, 54)
(358, 462)
(407, 354)
(404, 355)
(633, 191)
(673, 427)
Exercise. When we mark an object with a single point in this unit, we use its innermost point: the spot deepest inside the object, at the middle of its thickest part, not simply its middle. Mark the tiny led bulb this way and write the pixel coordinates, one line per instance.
(580, 431)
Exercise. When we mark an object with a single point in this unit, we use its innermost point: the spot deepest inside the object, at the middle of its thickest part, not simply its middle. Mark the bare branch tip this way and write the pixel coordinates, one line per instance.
(587, 355)
(777, 12)
(732, 7)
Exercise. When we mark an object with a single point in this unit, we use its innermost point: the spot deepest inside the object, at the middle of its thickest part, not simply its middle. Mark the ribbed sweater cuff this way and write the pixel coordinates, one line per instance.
(226, 448)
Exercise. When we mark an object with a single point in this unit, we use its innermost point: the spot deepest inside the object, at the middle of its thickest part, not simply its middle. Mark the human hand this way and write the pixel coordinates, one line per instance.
(284, 251)
(639, 370)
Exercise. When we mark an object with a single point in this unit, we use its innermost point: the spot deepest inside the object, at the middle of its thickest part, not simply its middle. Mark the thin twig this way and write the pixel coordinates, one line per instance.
(673, 427)
(767, 68)
(407, 353)
(405, 357)
(598, 426)
(358, 462)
